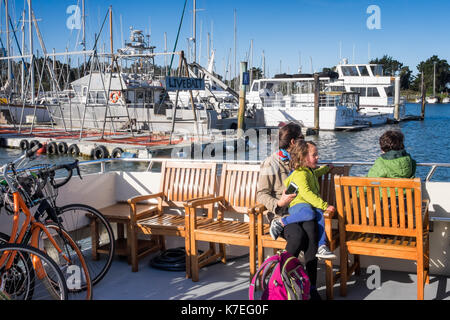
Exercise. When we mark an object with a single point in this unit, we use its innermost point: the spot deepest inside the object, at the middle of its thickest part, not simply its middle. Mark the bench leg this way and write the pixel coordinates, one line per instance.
(133, 248)
(94, 238)
(223, 252)
(194, 260)
(420, 278)
(343, 270)
(329, 278)
(187, 245)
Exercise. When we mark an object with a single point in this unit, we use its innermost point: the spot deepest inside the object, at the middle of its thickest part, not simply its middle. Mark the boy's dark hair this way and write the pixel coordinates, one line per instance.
(392, 140)
(288, 132)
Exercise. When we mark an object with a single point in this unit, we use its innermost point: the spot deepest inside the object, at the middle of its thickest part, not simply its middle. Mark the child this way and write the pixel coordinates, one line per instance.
(307, 205)
(394, 162)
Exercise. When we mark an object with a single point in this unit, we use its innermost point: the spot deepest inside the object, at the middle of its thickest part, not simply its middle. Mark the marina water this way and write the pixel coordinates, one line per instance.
(427, 142)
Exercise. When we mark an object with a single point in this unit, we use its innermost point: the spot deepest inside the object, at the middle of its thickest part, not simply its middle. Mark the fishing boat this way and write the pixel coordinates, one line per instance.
(287, 98)
(376, 90)
(124, 99)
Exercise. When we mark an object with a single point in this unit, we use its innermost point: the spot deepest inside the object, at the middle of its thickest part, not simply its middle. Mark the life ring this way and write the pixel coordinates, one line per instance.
(24, 145)
(62, 148)
(100, 152)
(73, 150)
(52, 148)
(114, 96)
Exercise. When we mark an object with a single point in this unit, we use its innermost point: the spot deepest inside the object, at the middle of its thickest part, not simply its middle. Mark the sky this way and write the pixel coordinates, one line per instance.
(312, 34)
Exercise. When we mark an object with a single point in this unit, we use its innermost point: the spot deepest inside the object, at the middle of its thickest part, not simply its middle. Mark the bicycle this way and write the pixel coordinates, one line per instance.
(28, 273)
(74, 218)
(49, 237)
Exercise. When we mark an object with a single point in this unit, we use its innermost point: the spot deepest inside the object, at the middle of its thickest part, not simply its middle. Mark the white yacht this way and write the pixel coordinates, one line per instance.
(291, 98)
(375, 89)
(432, 100)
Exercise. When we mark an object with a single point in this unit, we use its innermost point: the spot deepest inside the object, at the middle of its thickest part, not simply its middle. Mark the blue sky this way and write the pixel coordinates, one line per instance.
(286, 30)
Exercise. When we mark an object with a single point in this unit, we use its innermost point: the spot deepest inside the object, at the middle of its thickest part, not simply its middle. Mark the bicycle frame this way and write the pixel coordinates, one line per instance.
(19, 205)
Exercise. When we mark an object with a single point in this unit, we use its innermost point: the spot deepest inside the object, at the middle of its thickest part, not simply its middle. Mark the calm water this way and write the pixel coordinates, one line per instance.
(427, 141)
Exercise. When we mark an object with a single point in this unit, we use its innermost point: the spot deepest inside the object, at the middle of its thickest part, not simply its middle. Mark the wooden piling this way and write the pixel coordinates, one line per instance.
(422, 113)
(242, 92)
(316, 101)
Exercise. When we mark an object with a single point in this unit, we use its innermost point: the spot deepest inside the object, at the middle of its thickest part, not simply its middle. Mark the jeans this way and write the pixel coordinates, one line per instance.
(305, 212)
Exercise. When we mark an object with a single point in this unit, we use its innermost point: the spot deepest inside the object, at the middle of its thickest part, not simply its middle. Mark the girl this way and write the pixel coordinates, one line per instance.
(307, 205)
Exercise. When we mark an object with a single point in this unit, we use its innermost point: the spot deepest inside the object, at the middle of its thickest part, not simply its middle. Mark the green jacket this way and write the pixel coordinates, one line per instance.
(308, 186)
(393, 164)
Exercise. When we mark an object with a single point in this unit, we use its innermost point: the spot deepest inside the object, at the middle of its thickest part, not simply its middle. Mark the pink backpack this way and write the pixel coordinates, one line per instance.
(283, 278)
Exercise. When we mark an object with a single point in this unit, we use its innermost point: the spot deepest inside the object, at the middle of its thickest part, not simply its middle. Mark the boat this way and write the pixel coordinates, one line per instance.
(135, 99)
(230, 281)
(432, 100)
(446, 100)
(376, 90)
(287, 98)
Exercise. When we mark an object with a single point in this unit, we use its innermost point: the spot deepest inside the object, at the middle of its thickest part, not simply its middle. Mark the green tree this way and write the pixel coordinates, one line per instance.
(442, 74)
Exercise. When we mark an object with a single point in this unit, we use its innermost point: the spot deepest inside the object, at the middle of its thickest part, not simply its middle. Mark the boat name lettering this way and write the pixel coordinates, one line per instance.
(184, 84)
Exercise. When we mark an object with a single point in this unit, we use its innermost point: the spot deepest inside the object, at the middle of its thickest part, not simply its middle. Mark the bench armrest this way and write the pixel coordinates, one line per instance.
(257, 209)
(138, 199)
(203, 201)
(330, 215)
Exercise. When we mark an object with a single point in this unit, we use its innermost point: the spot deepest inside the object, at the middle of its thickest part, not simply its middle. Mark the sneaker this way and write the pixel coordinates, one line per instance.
(325, 253)
(276, 228)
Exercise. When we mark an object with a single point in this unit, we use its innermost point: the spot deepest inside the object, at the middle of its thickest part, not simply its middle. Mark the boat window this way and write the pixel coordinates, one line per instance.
(84, 91)
(255, 86)
(91, 97)
(377, 70)
(148, 96)
(350, 71)
(140, 96)
(338, 88)
(101, 97)
(363, 71)
(372, 92)
(130, 97)
(389, 91)
(360, 90)
(268, 85)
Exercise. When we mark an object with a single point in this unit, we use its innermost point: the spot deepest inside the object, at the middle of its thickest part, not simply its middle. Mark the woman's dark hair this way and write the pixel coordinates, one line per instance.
(392, 140)
(288, 132)
(298, 153)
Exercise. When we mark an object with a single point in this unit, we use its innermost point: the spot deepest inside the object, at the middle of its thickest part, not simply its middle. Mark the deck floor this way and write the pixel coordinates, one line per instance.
(230, 282)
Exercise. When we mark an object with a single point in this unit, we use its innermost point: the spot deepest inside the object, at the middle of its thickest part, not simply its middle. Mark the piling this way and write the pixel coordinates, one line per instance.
(316, 100)
(422, 112)
(397, 99)
(242, 92)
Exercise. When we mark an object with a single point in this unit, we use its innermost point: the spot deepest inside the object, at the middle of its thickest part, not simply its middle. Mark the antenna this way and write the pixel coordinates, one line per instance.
(312, 69)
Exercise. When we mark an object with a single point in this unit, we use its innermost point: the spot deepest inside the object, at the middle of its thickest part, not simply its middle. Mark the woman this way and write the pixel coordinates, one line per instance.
(302, 236)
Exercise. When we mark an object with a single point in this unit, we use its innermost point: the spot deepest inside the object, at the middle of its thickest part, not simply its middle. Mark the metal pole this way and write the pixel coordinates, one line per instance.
(434, 79)
(23, 52)
(111, 34)
(83, 17)
(422, 113)
(241, 113)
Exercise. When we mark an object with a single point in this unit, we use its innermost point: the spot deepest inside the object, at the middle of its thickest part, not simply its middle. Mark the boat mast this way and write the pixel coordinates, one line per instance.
(30, 26)
(83, 19)
(111, 34)
(23, 53)
(8, 43)
(194, 32)
(434, 79)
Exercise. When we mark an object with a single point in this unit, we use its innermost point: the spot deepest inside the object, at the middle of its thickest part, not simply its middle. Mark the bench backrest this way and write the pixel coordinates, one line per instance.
(182, 181)
(238, 186)
(379, 205)
(326, 182)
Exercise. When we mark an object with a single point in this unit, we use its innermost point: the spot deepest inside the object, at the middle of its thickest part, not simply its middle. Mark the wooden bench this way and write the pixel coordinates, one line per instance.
(385, 218)
(326, 193)
(180, 181)
(237, 194)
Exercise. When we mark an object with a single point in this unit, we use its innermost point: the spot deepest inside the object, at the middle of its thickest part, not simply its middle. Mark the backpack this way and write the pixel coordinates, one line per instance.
(283, 278)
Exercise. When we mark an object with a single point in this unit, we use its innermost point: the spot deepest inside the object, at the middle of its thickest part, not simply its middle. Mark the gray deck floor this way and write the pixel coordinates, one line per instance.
(230, 282)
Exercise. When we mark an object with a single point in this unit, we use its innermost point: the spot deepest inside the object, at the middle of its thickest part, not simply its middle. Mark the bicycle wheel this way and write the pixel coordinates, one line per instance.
(75, 218)
(71, 261)
(29, 274)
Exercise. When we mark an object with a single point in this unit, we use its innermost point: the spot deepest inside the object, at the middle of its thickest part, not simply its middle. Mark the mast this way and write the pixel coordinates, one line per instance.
(23, 53)
(83, 19)
(8, 43)
(434, 79)
(111, 31)
(194, 32)
(30, 26)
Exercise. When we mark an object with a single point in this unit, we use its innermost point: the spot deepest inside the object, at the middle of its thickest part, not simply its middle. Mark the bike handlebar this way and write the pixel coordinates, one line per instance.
(68, 167)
